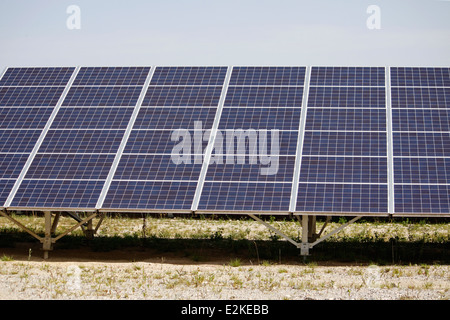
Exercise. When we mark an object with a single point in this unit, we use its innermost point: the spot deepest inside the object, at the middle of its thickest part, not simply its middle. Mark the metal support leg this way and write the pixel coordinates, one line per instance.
(47, 240)
(304, 249)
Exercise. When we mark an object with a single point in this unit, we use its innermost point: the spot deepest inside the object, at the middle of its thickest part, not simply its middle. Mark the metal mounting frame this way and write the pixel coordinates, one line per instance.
(50, 228)
(309, 236)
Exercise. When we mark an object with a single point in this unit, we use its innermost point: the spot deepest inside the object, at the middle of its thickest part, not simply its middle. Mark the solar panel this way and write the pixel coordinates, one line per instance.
(260, 139)
(152, 173)
(259, 128)
(421, 139)
(28, 97)
(77, 150)
(344, 157)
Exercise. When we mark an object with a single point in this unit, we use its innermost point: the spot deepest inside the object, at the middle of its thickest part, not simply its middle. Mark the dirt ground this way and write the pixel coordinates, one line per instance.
(148, 274)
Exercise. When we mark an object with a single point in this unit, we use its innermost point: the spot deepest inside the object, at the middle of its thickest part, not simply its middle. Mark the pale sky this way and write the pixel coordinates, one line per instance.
(225, 32)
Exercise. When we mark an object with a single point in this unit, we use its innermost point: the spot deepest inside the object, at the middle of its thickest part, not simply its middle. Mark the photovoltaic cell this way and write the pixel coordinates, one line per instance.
(102, 96)
(345, 143)
(82, 141)
(30, 96)
(150, 195)
(422, 198)
(92, 118)
(347, 97)
(420, 97)
(268, 76)
(57, 194)
(344, 169)
(194, 76)
(111, 76)
(36, 76)
(161, 141)
(422, 170)
(346, 119)
(175, 118)
(428, 144)
(241, 196)
(371, 198)
(419, 76)
(24, 118)
(421, 120)
(157, 167)
(70, 166)
(347, 76)
(279, 169)
(260, 118)
(264, 97)
(182, 96)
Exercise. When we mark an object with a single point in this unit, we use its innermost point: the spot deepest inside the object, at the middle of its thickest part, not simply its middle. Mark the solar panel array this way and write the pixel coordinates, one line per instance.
(315, 140)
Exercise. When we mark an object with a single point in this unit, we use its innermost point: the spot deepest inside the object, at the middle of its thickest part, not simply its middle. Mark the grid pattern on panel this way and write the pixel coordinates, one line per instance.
(162, 160)
(254, 154)
(112, 76)
(421, 139)
(344, 157)
(27, 99)
(79, 148)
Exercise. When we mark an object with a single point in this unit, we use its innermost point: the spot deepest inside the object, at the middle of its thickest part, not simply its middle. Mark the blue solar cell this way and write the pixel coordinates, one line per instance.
(345, 143)
(268, 76)
(347, 76)
(344, 169)
(420, 97)
(5, 189)
(422, 198)
(70, 166)
(348, 97)
(346, 119)
(36, 76)
(264, 97)
(342, 198)
(420, 76)
(164, 141)
(92, 118)
(260, 118)
(279, 169)
(242, 196)
(18, 140)
(158, 167)
(421, 120)
(198, 76)
(182, 96)
(30, 96)
(422, 170)
(102, 96)
(256, 142)
(11, 165)
(111, 76)
(57, 194)
(82, 141)
(430, 144)
(174, 118)
(24, 118)
(150, 195)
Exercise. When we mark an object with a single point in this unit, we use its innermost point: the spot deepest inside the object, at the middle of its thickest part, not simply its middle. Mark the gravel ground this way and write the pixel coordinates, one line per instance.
(178, 280)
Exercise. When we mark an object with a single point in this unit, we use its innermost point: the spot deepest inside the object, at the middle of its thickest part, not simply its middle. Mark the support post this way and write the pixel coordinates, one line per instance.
(304, 249)
(47, 240)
